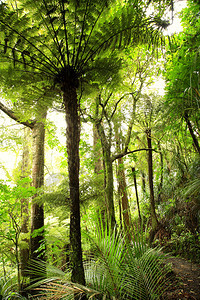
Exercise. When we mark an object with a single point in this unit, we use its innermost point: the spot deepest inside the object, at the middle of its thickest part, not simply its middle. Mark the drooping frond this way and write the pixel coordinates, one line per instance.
(125, 27)
(125, 270)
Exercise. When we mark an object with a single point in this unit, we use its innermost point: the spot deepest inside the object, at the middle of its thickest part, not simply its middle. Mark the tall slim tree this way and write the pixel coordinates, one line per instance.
(37, 210)
(25, 172)
(66, 42)
(122, 186)
(154, 219)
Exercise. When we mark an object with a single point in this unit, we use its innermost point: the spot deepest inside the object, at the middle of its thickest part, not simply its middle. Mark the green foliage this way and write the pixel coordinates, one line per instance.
(10, 217)
(76, 42)
(8, 287)
(79, 36)
(184, 244)
(51, 136)
(57, 241)
(121, 269)
(182, 68)
(114, 269)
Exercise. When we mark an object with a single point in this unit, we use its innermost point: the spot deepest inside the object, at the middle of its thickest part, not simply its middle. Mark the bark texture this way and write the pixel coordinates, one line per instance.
(73, 137)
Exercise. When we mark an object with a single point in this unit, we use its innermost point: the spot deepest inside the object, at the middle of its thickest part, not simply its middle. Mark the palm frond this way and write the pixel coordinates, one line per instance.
(122, 269)
(115, 269)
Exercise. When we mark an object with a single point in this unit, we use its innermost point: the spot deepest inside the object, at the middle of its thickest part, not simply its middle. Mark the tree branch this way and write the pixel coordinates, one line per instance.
(119, 155)
(12, 115)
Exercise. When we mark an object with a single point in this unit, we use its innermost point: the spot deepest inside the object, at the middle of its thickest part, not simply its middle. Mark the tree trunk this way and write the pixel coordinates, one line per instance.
(109, 187)
(122, 185)
(136, 193)
(98, 164)
(37, 210)
(124, 198)
(143, 182)
(195, 141)
(160, 186)
(73, 137)
(24, 251)
(98, 168)
(154, 219)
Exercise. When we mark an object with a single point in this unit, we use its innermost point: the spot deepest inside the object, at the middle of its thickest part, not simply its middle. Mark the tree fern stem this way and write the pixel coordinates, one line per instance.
(73, 138)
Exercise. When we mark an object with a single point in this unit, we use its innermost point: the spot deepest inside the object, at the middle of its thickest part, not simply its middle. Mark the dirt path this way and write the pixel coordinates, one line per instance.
(186, 280)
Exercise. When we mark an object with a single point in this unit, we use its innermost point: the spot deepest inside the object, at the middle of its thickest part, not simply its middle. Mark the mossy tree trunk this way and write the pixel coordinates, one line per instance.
(98, 169)
(122, 187)
(160, 185)
(109, 188)
(108, 164)
(37, 240)
(24, 250)
(124, 198)
(98, 163)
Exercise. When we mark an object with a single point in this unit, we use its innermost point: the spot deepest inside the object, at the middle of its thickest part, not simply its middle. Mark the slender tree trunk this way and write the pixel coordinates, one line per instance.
(37, 210)
(98, 168)
(98, 164)
(195, 141)
(24, 251)
(124, 198)
(160, 186)
(136, 193)
(73, 137)
(122, 186)
(120, 206)
(108, 166)
(154, 219)
(109, 188)
(143, 182)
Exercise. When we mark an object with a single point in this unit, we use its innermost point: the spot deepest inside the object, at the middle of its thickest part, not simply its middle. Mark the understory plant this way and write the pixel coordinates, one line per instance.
(114, 269)
(8, 288)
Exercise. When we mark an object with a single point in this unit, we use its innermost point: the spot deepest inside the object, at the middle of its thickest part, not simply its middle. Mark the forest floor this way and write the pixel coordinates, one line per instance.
(185, 280)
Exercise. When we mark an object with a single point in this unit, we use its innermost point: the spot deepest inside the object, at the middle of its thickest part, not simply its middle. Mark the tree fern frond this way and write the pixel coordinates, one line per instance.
(99, 13)
(29, 42)
(54, 34)
(63, 13)
(16, 59)
(117, 32)
(82, 29)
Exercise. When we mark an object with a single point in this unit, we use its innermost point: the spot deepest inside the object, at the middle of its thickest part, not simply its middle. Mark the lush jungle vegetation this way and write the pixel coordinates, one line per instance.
(99, 152)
